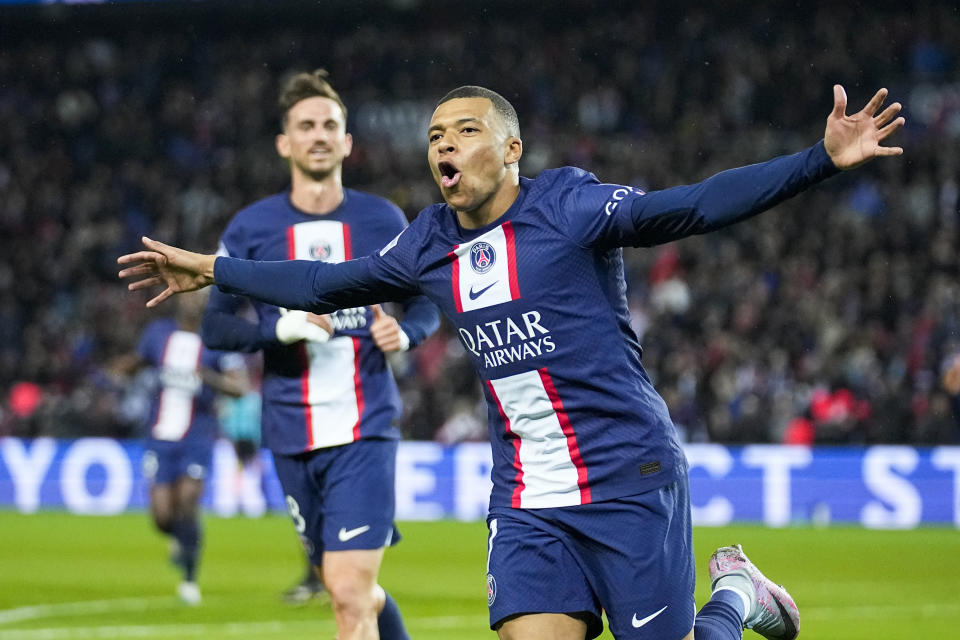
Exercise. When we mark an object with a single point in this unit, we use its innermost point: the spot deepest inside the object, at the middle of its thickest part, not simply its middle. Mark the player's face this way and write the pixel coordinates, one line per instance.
(470, 152)
(315, 139)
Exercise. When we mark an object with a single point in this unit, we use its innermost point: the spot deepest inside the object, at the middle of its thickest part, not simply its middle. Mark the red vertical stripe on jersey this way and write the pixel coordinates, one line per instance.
(358, 387)
(518, 489)
(347, 249)
(357, 380)
(301, 348)
(572, 445)
(291, 244)
(305, 392)
(511, 261)
(455, 278)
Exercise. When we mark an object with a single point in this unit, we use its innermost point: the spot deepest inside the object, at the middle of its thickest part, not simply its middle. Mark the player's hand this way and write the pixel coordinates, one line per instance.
(386, 331)
(294, 326)
(855, 139)
(179, 270)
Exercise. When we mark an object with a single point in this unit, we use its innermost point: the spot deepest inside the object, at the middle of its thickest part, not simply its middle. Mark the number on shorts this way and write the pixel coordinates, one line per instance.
(294, 510)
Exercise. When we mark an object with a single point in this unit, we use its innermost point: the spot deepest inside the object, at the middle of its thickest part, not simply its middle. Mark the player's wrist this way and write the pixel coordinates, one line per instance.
(294, 326)
(207, 263)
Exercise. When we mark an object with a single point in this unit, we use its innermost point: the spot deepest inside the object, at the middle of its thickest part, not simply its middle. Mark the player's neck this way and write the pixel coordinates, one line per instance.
(494, 207)
(316, 197)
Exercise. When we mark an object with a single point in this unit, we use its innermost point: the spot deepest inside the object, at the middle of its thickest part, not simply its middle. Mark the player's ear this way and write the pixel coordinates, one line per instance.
(514, 149)
(283, 145)
(347, 144)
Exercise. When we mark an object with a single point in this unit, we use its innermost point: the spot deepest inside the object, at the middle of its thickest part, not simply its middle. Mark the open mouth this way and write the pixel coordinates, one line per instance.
(449, 174)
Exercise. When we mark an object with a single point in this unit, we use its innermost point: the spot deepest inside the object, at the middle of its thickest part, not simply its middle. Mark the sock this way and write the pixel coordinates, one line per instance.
(310, 578)
(720, 618)
(744, 598)
(187, 533)
(740, 583)
(390, 622)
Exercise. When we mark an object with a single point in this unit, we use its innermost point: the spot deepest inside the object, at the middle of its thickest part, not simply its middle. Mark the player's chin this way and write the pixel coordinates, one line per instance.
(455, 199)
(319, 173)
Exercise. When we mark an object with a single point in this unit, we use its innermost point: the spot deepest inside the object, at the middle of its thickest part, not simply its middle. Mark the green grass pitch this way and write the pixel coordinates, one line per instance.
(64, 577)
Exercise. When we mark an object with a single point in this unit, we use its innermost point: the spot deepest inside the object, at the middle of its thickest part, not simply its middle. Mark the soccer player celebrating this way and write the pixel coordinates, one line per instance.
(590, 508)
(183, 426)
(329, 398)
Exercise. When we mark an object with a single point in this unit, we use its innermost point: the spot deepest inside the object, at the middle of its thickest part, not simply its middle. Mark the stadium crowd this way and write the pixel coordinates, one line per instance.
(828, 320)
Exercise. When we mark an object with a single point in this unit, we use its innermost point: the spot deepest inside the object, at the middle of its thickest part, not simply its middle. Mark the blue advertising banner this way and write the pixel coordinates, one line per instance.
(875, 487)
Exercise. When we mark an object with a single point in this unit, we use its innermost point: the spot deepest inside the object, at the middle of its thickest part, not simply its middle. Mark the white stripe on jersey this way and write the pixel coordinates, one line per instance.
(550, 477)
(331, 392)
(484, 272)
(180, 382)
(330, 387)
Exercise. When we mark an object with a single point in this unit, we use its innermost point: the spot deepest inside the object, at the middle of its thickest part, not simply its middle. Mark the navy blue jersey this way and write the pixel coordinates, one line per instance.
(183, 407)
(538, 300)
(317, 395)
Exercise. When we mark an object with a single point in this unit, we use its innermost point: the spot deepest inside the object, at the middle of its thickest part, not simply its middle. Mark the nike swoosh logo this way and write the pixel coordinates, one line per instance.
(348, 534)
(476, 294)
(639, 623)
(789, 630)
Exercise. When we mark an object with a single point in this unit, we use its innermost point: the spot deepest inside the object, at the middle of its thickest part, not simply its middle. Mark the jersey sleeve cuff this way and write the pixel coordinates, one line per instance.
(824, 167)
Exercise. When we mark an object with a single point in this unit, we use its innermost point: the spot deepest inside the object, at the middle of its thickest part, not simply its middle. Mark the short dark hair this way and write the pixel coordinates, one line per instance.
(503, 107)
(301, 86)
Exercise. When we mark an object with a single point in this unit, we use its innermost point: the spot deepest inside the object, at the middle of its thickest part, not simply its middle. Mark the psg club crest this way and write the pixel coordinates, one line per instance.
(321, 250)
(482, 257)
(491, 589)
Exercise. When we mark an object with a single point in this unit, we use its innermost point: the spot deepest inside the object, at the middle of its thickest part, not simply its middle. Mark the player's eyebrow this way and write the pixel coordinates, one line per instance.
(457, 123)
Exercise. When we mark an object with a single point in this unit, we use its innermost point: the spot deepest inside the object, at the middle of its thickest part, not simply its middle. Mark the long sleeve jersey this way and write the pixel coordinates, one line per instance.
(538, 298)
(317, 395)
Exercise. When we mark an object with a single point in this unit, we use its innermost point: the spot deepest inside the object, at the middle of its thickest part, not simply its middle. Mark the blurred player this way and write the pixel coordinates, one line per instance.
(329, 398)
(590, 506)
(183, 426)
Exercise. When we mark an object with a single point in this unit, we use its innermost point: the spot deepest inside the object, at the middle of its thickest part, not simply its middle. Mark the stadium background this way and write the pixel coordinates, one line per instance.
(826, 322)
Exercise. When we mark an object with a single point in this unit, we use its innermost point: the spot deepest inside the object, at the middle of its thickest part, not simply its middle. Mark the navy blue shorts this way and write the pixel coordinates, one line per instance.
(631, 557)
(165, 461)
(341, 498)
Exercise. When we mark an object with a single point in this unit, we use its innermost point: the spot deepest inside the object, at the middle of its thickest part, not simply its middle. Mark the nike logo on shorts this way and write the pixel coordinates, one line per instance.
(476, 294)
(639, 623)
(348, 534)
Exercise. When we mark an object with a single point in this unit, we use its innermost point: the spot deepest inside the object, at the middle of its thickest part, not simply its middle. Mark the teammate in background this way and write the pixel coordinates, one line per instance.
(329, 398)
(182, 427)
(590, 506)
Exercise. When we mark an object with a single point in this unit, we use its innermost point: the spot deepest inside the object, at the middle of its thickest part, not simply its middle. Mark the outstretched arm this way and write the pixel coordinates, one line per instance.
(295, 284)
(629, 217)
